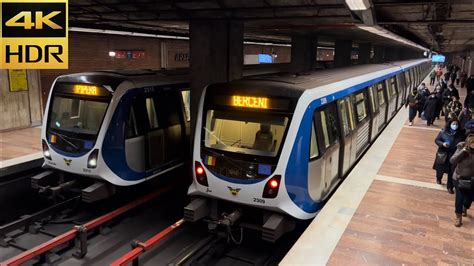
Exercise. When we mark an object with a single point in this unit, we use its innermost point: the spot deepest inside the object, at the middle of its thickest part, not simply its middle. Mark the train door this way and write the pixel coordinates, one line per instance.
(360, 103)
(400, 92)
(186, 100)
(382, 96)
(408, 81)
(374, 111)
(392, 97)
(328, 133)
(347, 156)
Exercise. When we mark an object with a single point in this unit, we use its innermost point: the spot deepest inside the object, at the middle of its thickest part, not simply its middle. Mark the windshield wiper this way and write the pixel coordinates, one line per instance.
(63, 137)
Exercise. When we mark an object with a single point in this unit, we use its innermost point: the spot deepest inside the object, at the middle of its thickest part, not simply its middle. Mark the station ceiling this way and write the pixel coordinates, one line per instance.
(443, 25)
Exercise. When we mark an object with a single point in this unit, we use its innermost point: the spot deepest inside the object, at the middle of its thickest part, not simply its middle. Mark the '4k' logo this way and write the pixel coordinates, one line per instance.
(34, 35)
(40, 19)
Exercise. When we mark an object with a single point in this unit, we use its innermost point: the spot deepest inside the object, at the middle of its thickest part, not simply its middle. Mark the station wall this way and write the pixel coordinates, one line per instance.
(20, 104)
(90, 51)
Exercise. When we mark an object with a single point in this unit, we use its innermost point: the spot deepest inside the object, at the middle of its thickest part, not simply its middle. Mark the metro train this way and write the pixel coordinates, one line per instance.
(279, 145)
(121, 127)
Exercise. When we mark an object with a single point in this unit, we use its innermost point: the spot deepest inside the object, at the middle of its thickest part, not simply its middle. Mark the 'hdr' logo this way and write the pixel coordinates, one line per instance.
(34, 34)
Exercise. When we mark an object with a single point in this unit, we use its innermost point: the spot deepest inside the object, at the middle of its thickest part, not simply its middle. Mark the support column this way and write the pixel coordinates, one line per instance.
(216, 48)
(342, 53)
(379, 54)
(303, 52)
(364, 53)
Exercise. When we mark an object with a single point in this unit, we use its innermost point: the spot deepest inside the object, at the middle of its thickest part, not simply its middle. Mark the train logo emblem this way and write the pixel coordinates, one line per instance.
(67, 161)
(234, 191)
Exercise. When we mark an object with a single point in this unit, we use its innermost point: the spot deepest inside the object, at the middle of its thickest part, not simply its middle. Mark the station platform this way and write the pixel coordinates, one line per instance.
(390, 210)
(20, 149)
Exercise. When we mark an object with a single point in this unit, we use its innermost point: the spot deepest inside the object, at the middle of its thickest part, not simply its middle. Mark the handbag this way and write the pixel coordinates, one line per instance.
(441, 157)
(465, 183)
(423, 116)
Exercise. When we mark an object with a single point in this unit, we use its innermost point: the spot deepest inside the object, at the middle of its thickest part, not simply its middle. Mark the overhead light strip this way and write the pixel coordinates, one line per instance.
(390, 35)
(358, 4)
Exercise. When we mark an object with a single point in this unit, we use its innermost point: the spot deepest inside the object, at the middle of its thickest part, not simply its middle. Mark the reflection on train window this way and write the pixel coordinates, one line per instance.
(313, 148)
(393, 85)
(360, 107)
(252, 134)
(77, 115)
(380, 95)
(151, 111)
(351, 115)
(132, 125)
(185, 94)
(344, 114)
(325, 129)
(373, 99)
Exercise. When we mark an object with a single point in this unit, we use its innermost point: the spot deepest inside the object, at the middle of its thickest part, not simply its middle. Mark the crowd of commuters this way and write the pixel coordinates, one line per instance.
(455, 141)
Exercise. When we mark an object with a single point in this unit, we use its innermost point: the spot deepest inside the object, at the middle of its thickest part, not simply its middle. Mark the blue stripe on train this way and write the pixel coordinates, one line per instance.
(296, 176)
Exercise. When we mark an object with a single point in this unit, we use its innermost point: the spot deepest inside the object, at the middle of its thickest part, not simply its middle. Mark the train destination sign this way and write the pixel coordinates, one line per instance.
(252, 102)
(89, 90)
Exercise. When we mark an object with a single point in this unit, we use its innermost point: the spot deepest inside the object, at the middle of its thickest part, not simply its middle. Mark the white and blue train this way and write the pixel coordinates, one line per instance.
(118, 127)
(280, 144)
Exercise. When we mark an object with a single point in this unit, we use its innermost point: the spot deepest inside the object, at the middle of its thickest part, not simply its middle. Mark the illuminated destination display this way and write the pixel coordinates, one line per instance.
(86, 90)
(250, 102)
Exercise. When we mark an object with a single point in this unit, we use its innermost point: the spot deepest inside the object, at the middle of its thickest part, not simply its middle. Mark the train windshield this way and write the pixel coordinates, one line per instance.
(77, 115)
(246, 133)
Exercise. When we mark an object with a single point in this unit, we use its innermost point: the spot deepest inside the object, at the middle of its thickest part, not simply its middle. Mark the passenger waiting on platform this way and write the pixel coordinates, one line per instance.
(466, 115)
(453, 77)
(447, 76)
(454, 108)
(463, 177)
(447, 140)
(429, 108)
(412, 101)
(432, 77)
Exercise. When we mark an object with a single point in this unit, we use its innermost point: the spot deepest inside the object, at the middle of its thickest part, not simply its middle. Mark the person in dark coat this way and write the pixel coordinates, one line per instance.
(439, 102)
(447, 140)
(463, 161)
(453, 77)
(412, 101)
(469, 100)
(429, 108)
(425, 93)
(447, 98)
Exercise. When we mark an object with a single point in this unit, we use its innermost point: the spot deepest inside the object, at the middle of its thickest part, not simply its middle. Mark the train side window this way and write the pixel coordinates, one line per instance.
(186, 97)
(325, 129)
(373, 99)
(344, 117)
(151, 111)
(131, 125)
(359, 102)
(393, 83)
(380, 93)
(351, 114)
(169, 108)
(313, 148)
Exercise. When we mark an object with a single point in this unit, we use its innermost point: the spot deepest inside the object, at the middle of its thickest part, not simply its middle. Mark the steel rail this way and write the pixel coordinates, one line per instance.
(140, 248)
(77, 230)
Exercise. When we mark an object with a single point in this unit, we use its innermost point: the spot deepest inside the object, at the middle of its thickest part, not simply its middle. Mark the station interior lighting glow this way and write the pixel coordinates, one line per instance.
(390, 35)
(358, 4)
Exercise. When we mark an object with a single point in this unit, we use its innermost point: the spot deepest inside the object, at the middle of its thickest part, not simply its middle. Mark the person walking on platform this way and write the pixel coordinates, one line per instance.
(439, 101)
(429, 108)
(469, 100)
(439, 73)
(432, 77)
(453, 77)
(466, 115)
(412, 101)
(447, 97)
(454, 108)
(425, 93)
(463, 177)
(447, 140)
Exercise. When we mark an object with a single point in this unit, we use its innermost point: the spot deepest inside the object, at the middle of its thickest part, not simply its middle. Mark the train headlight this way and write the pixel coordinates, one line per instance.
(92, 160)
(46, 152)
(271, 187)
(201, 176)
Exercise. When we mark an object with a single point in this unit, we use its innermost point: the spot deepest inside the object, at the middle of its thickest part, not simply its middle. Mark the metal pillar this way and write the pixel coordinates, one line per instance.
(342, 56)
(303, 52)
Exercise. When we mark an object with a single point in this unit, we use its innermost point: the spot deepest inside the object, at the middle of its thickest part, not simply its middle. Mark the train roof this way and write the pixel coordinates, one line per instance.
(291, 85)
(113, 78)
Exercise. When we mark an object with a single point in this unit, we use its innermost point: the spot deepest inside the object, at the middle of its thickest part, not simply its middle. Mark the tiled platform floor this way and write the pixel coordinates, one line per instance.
(21, 142)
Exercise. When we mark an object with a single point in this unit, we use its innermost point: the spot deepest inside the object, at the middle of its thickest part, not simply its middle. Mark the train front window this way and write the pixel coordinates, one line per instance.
(253, 134)
(77, 115)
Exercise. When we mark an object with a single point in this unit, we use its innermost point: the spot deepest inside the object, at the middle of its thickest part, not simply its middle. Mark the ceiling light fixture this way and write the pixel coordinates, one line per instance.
(358, 4)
